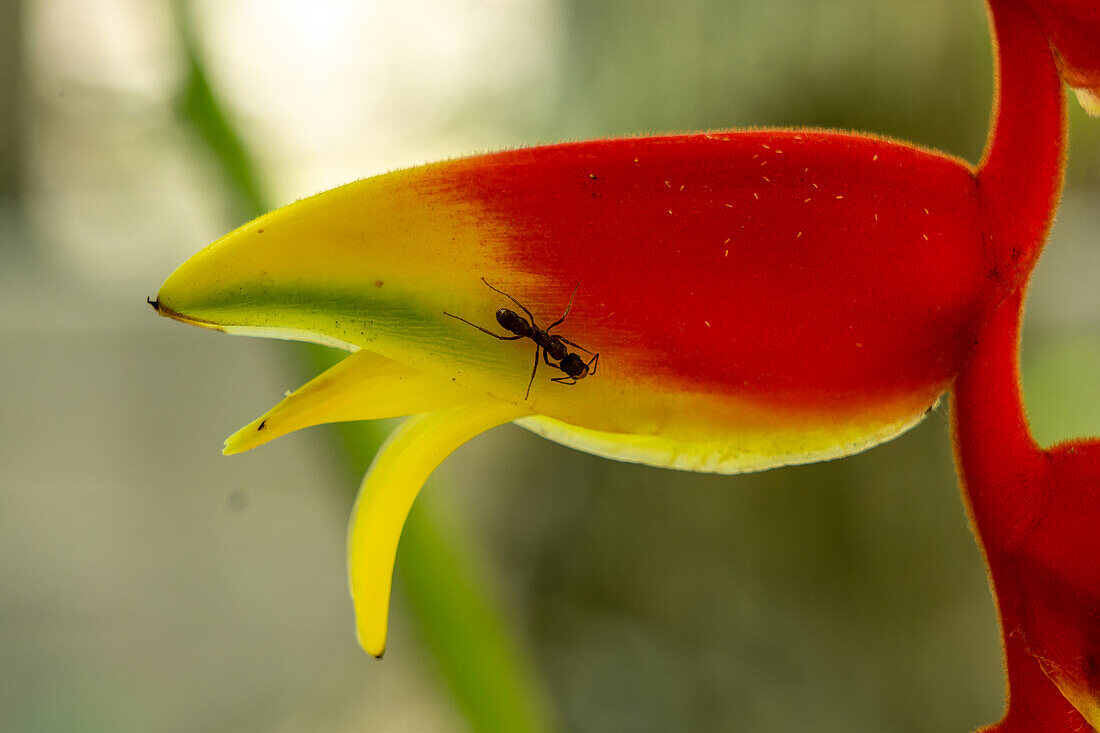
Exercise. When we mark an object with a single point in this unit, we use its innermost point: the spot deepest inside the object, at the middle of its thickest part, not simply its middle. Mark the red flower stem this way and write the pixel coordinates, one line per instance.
(1020, 175)
(1006, 483)
(1005, 475)
(1001, 465)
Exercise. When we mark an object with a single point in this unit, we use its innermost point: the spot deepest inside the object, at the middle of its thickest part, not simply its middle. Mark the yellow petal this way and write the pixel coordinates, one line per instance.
(401, 467)
(363, 386)
(1089, 97)
(753, 451)
(1077, 692)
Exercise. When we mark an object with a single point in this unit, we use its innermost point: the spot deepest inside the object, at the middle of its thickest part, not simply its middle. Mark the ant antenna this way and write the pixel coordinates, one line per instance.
(568, 307)
(483, 330)
(509, 297)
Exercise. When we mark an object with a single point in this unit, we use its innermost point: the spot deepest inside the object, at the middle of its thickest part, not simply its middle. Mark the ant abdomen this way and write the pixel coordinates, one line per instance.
(513, 322)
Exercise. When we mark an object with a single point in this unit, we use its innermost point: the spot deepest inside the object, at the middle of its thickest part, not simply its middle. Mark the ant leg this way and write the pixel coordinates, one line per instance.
(483, 330)
(561, 380)
(577, 346)
(567, 308)
(509, 297)
(534, 369)
(592, 364)
(546, 358)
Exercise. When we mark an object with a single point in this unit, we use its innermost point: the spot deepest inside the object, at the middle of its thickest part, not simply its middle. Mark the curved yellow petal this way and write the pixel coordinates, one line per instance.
(401, 467)
(757, 451)
(363, 386)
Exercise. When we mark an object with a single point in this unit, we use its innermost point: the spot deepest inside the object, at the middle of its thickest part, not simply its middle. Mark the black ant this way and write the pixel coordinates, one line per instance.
(552, 346)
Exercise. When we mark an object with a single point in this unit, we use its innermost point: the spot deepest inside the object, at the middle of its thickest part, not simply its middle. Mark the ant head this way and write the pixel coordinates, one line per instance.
(574, 366)
(512, 322)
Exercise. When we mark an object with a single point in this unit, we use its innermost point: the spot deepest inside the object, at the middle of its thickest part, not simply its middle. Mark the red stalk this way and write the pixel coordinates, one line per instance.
(1033, 511)
(1020, 175)
(1005, 477)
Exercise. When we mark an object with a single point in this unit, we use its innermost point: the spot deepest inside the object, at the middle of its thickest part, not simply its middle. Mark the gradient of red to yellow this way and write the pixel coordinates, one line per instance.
(757, 298)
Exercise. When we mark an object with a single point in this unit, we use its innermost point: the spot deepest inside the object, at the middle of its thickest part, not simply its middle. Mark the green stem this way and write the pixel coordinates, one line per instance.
(491, 680)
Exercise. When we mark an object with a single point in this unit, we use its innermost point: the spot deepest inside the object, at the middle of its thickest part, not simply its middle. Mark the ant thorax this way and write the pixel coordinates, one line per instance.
(555, 348)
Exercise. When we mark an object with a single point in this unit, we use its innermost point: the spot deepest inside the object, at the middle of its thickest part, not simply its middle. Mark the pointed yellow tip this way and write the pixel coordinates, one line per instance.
(232, 447)
(162, 309)
(376, 646)
(251, 435)
(372, 613)
(372, 606)
(1089, 97)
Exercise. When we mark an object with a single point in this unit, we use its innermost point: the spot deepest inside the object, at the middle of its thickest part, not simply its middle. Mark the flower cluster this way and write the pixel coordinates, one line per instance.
(756, 298)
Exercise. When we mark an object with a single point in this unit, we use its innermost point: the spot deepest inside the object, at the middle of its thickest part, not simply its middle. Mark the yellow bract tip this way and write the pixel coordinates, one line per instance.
(364, 386)
(1089, 97)
(392, 483)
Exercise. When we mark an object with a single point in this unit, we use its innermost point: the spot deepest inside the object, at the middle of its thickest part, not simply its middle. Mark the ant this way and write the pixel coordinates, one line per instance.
(552, 346)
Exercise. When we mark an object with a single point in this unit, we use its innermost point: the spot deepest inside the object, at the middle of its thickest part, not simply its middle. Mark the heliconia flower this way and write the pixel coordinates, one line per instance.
(1036, 514)
(756, 298)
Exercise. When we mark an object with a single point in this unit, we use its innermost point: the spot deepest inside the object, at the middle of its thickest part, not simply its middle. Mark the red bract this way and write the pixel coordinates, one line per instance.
(712, 250)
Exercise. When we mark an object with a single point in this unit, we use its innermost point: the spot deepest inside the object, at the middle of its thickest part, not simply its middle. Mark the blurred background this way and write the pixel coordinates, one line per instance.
(149, 584)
